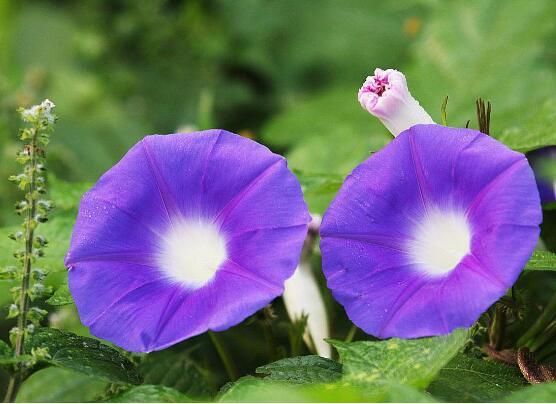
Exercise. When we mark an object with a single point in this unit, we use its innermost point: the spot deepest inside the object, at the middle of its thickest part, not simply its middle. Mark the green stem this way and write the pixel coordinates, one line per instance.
(224, 356)
(9, 397)
(351, 333)
(543, 338)
(544, 319)
(497, 328)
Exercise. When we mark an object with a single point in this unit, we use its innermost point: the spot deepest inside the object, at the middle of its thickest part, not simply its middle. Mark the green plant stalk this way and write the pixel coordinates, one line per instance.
(549, 333)
(542, 322)
(27, 263)
(224, 356)
(497, 328)
(351, 333)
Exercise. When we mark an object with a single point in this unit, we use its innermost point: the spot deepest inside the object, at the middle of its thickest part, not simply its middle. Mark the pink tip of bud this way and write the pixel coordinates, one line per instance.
(386, 96)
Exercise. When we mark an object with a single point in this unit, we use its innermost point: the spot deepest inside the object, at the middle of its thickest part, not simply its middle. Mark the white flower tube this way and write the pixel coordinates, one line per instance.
(302, 296)
(386, 96)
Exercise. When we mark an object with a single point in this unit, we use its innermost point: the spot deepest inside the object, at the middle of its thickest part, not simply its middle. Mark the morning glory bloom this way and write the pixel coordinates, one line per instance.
(187, 233)
(430, 231)
(386, 96)
(543, 161)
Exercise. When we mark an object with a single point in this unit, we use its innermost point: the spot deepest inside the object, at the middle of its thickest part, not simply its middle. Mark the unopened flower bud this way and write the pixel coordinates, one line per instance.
(386, 96)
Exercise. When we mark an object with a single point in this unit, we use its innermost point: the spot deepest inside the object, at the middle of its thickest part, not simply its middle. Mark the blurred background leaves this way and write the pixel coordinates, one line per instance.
(283, 72)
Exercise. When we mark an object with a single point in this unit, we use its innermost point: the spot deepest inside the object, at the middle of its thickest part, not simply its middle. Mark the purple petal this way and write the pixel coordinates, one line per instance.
(147, 230)
(424, 236)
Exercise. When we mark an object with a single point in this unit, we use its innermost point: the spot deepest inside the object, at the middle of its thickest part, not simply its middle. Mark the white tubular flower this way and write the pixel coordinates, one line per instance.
(386, 96)
(302, 296)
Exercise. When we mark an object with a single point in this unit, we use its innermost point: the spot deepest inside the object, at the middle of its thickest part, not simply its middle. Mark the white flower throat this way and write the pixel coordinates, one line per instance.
(440, 241)
(192, 251)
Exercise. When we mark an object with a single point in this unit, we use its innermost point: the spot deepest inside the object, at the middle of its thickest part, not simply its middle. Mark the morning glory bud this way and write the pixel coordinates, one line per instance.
(302, 296)
(386, 96)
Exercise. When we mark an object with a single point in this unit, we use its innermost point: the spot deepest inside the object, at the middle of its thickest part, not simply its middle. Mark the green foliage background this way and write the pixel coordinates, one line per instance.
(285, 73)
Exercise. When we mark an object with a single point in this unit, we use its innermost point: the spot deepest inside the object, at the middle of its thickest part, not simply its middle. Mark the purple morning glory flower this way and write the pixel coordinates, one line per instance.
(543, 161)
(187, 233)
(430, 231)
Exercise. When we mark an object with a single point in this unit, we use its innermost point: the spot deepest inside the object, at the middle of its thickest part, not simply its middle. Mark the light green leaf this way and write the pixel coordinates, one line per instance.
(178, 371)
(538, 130)
(319, 189)
(469, 50)
(59, 386)
(541, 261)
(58, 233)
(541, 393)
(303, 369)
(466, 379)
(413, 362)
(67, 195)
(61, 296)
(85, 355)
(150, 394)
(251, 389)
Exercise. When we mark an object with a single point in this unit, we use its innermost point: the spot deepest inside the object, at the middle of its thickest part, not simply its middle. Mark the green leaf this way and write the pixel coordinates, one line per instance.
(59, 385)
(466, 379)
(67, 195)
(178, 371)
(303, 369)
(413, 362)
(319, 189)
(468, 50)
(541, 261)
(85, 355)
(541, 393)
(58, 233)
(61, 296)
(251, 389)
(538, 130)
(150, 394)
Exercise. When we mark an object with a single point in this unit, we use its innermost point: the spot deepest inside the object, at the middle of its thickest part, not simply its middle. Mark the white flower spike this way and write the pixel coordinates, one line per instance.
(386, 96)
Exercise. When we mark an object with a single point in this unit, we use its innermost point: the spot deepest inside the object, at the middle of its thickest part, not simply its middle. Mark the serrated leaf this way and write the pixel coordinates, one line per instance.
(59, 385)
(251, 389)
(540, 393)
(61, 297)
(178, 371)
(413, 362)
(541, 261)
(466, 379)
(303, 369)
(150, 394)
(83, 354)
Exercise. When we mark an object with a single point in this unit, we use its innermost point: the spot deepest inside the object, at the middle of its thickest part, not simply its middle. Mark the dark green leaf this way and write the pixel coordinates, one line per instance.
(541, 393)
(413, 362)
(61, 296)
(178, 371)
(541, 261)
(150, 394)
(85, 355)
(466, 379)
(303, 369)
(58, 386)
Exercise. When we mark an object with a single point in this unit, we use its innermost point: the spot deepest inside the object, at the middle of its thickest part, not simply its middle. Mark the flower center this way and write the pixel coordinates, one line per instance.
(192, 252)
(440, 242)
(377, 84)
